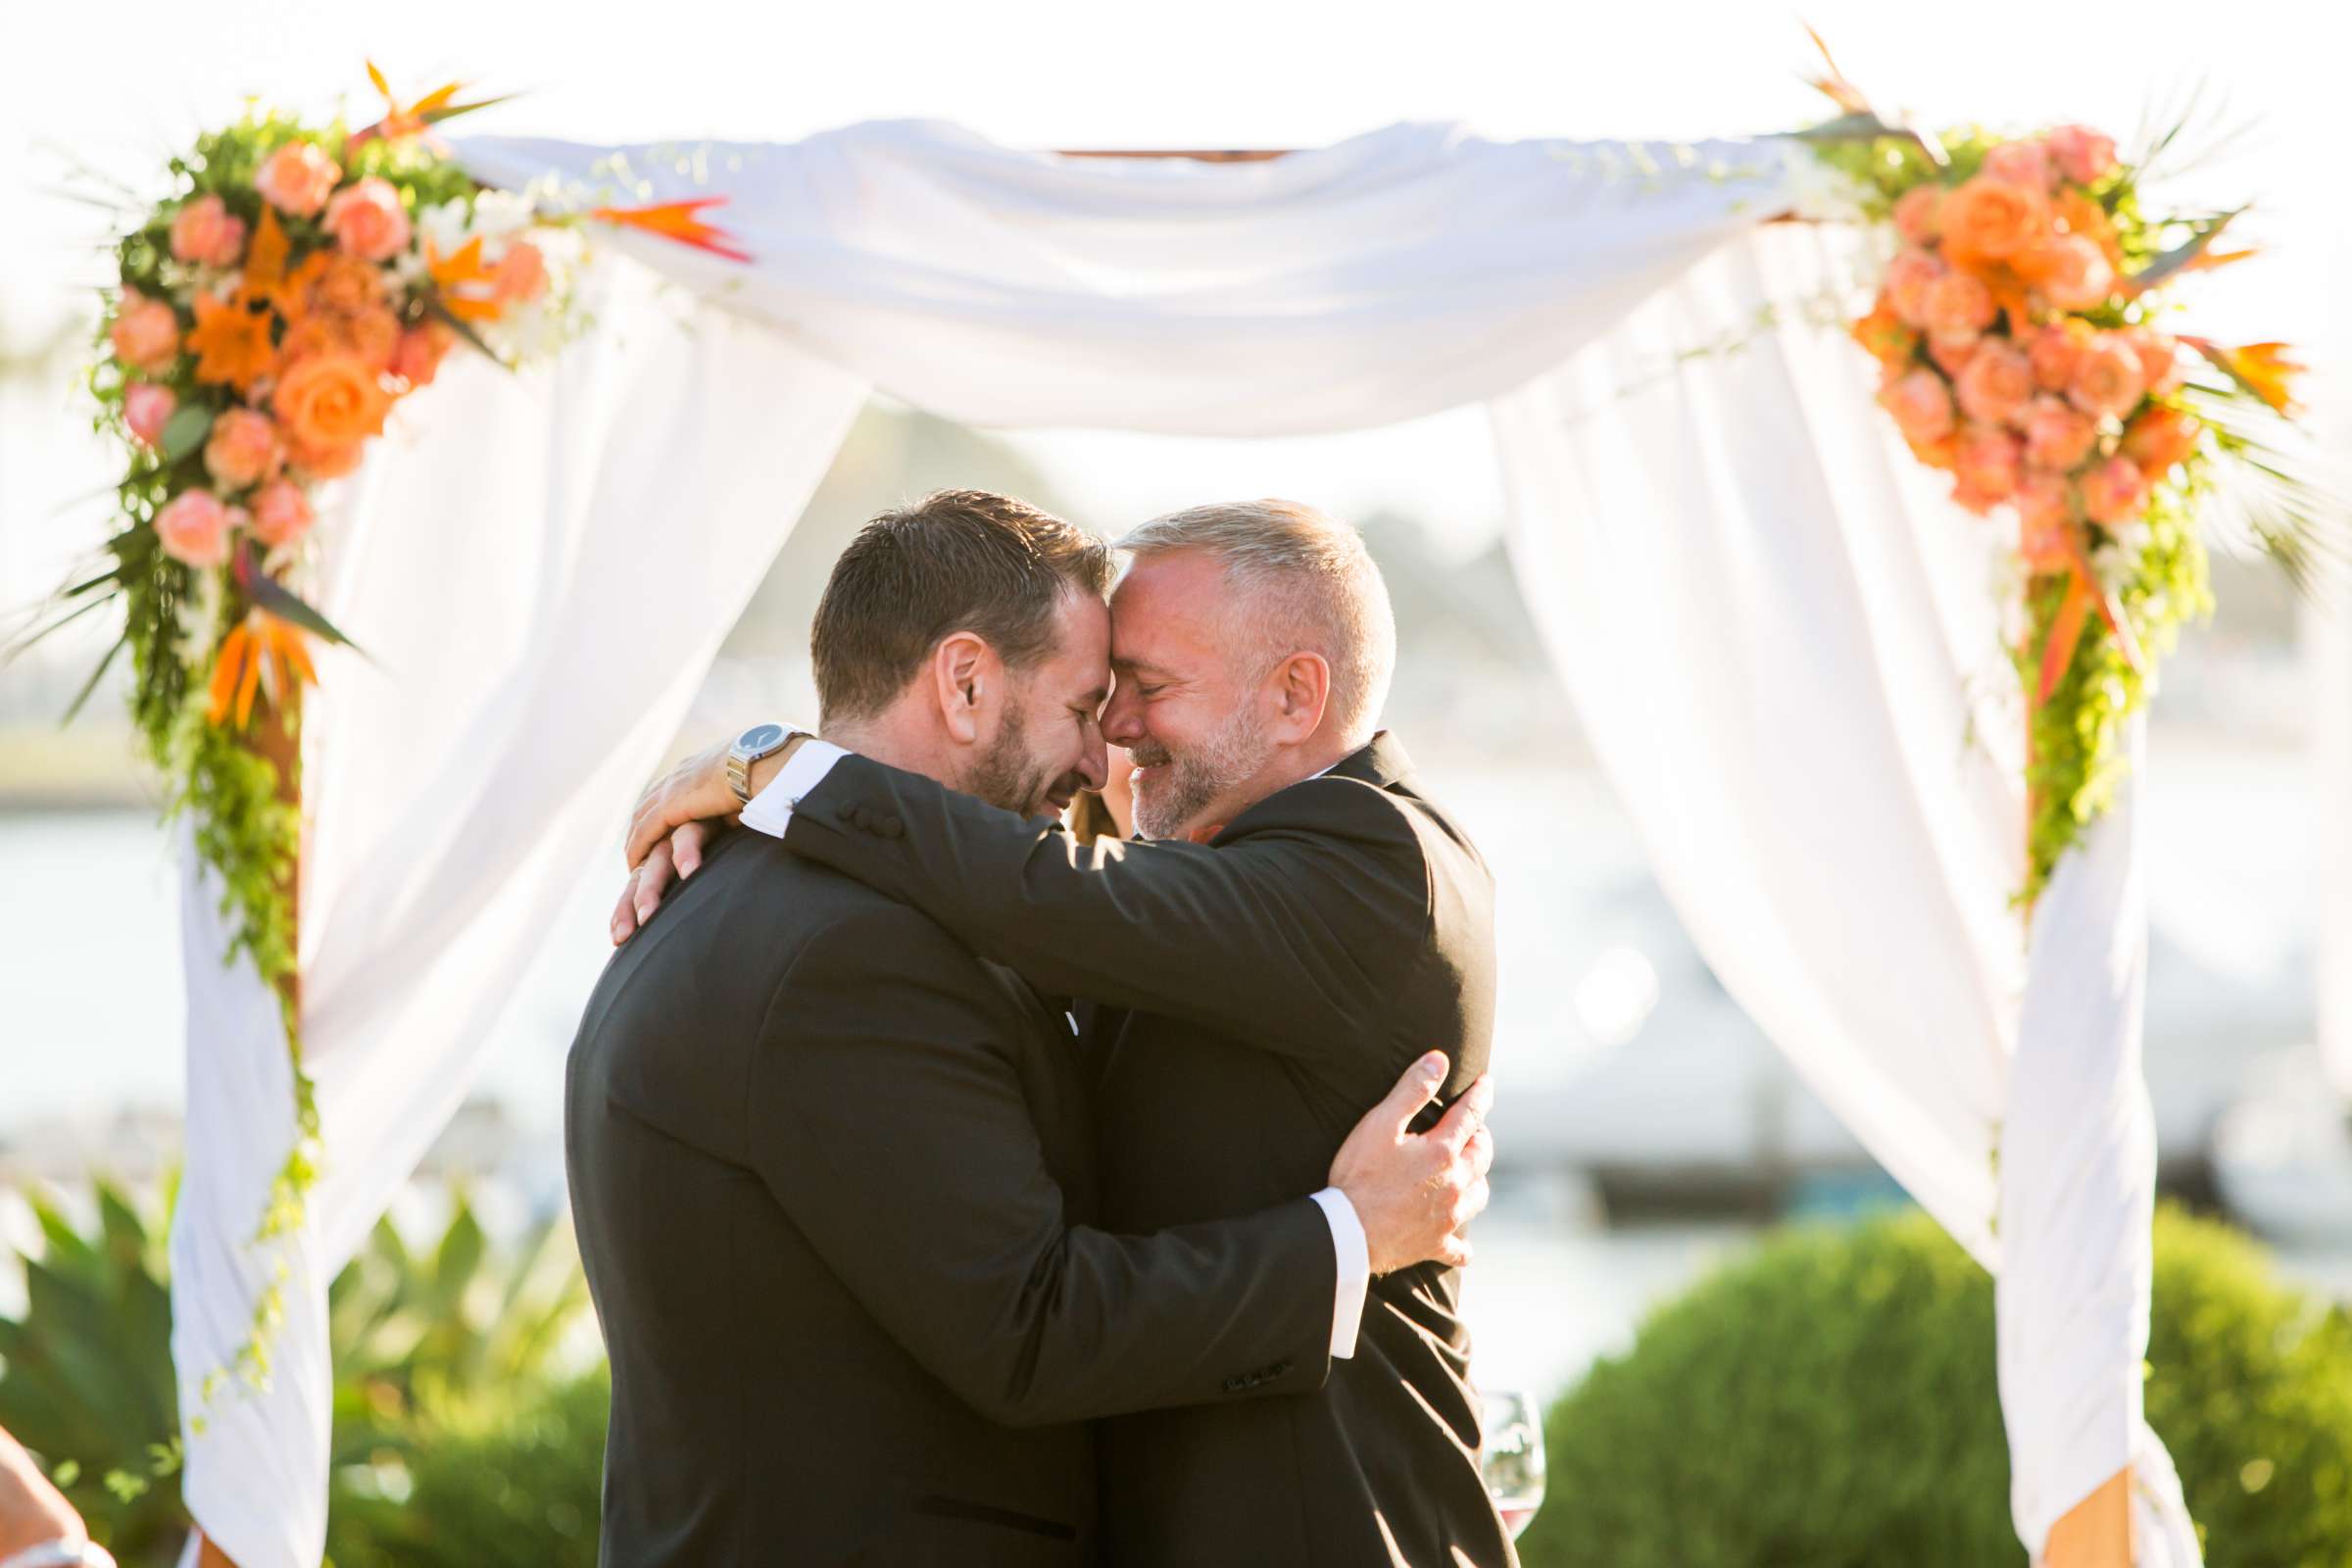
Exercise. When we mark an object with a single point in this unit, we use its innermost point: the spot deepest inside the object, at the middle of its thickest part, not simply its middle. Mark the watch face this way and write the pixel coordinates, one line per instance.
(761, 739)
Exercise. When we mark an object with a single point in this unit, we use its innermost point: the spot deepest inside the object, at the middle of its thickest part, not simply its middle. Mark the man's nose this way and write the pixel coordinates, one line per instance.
(1123, 718)
(1094, 763)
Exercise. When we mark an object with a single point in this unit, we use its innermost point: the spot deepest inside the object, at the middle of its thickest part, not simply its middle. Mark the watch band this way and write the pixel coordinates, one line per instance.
(754, 744)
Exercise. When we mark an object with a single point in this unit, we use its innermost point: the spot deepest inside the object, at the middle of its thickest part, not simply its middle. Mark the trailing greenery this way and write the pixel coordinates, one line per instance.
(463, 1434)
(1831, 1401)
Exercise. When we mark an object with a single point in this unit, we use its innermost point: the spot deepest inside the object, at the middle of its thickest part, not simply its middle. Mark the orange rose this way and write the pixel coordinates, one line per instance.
(2159, 438)
(2159, 357)
(328, 406)
(1909, 276)
(2054, 350)
(297, 179)
(1916, 215)
(2114, 491)
(146, 332)
(372, 336)
(368, 219)
(422, 349)
(243, 450)
(1997, 385)
(2046, 530)
(1921, 404)
(1990, 461)
(2108, 378)
(521, 273)
(1959, 307)
(328, 280)
(1993, 217)
(2058, 436)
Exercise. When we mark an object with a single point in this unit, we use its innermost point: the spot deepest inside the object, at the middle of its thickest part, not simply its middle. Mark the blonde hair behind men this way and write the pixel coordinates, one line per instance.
(1303, 582)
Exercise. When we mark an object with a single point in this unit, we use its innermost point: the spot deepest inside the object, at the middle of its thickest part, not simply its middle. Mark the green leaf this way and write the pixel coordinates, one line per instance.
(184, 432)
(280, 601)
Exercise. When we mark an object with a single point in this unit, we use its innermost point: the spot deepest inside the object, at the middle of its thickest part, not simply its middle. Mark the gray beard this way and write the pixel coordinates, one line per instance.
(1165, 801)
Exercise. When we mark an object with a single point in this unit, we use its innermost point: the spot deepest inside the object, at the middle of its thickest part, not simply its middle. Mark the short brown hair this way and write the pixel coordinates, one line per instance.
(955, 561)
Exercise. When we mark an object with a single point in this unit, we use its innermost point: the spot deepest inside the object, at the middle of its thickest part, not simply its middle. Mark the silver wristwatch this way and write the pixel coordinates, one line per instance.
(754, 744)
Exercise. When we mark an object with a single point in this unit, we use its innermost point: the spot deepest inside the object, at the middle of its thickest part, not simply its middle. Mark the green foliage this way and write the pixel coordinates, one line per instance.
(517, 1483)
(460, 1435)
(1830, 1402)
(86, 1376)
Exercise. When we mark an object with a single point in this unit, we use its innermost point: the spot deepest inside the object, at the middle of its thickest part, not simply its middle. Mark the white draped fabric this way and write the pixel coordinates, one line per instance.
(1770, 621)
(1779, 635)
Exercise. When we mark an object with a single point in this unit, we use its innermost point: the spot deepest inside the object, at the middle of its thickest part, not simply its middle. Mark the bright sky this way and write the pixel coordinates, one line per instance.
(119, 85)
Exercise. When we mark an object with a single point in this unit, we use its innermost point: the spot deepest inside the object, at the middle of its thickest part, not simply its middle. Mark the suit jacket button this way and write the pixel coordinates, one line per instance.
(891, 828)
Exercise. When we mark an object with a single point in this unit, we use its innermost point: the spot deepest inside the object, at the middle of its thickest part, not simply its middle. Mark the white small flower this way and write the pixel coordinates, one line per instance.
(499, 213)
(442, 226)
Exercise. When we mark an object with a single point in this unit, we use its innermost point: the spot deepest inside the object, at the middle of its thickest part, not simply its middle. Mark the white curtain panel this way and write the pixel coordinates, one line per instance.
(1780, 636)
(1777, 636)
(540, 569)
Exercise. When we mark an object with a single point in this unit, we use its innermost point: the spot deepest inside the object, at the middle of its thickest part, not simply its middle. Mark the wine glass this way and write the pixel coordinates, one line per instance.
(1510, 1456)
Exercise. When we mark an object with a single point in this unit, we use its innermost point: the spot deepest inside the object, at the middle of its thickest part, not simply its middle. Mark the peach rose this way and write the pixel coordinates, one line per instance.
(1909, 276)
(193, 528)
(2107, 378)
(368, 221)
(282, 513)
(1993, 217)
(297, 179)
(2054, 351)
(1921, 406)
(2025, 163)
(2159, 438)
(146, 332)
(2057, 435)
(147, 409)
(2082, 154)
(1951, 355)
(2114, 491)
(417, 358)
(2045, 538)
(2159, 359)
(243, 450)
(1958, 308)
(521, 273)
(2074, 274)
(205, 234)
(1997, 384)
(1991, 461)
(328, 406)
(1916, 215)
(370, 336)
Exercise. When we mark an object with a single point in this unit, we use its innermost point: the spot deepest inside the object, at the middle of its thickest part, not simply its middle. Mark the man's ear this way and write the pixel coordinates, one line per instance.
(1299, 688)
(963, 675)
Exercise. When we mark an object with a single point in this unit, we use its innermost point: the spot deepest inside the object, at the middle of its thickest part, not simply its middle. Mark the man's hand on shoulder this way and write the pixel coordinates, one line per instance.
(1414, 1193)
(671, 860)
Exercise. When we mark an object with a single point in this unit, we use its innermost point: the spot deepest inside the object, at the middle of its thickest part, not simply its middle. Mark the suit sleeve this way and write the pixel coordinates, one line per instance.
(887, 1115)
(1292, 936)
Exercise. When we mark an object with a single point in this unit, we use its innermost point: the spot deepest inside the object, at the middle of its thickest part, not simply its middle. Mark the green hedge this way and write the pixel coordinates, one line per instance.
(1829, 1401)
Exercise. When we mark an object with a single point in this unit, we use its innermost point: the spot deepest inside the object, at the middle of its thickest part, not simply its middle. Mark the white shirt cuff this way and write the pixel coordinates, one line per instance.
(1354, 1272)
(771, 811)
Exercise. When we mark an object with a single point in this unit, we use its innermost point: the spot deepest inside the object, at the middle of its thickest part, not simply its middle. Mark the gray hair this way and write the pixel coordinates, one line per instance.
(1303, 582)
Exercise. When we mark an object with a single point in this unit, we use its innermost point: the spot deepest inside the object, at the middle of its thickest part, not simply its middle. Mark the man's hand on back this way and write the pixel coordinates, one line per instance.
(1415, 1192)
(673, 821)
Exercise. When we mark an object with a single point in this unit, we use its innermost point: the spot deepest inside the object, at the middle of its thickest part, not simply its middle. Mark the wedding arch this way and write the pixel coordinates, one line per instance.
(1773, 620)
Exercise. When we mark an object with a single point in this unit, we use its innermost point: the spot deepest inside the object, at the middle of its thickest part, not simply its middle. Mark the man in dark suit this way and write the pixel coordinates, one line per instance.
(1303, 923)
(831, 1173)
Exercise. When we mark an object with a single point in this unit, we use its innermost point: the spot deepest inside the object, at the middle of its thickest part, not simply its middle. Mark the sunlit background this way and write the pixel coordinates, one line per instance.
(1648, 1129)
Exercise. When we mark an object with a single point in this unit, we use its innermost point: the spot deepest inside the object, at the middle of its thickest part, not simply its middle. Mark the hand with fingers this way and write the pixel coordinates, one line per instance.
(671, 860)
(674, 822)
(1414, 1193)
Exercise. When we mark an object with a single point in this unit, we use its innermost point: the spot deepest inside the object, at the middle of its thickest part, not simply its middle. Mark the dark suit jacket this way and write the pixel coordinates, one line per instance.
(826, 1169)
(1277, 983)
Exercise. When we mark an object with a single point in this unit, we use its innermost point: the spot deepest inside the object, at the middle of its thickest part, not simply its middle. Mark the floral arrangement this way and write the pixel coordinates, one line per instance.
(271, 314)
(2025, 345)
